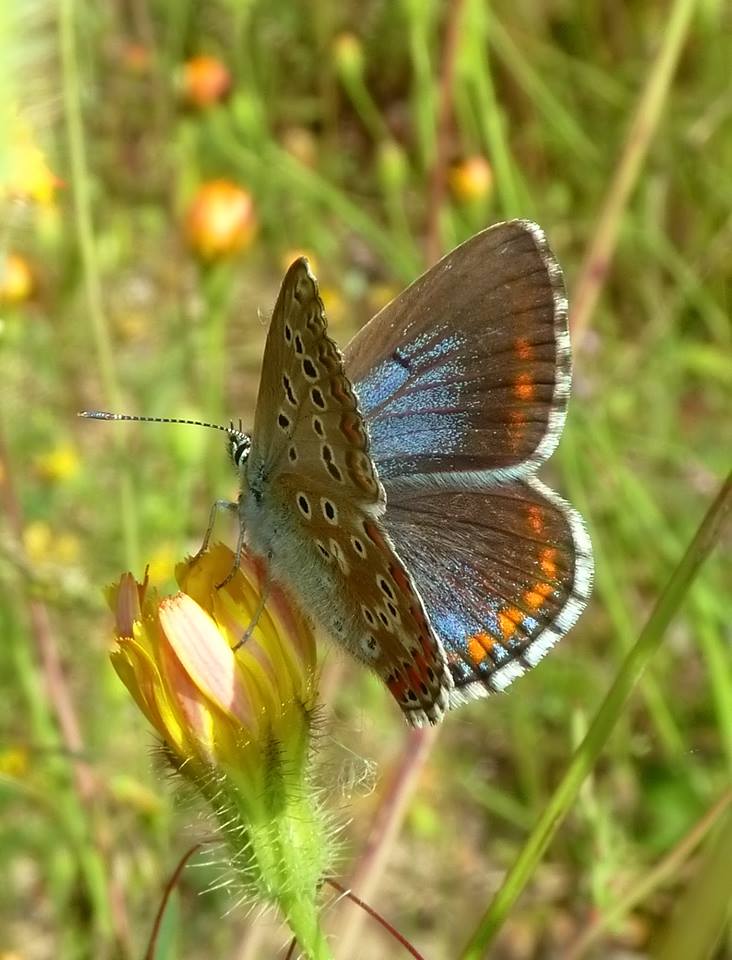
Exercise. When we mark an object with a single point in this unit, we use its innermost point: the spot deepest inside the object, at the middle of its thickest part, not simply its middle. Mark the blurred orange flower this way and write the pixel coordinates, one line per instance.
(471, 179)
(205, 81)
(220, 219)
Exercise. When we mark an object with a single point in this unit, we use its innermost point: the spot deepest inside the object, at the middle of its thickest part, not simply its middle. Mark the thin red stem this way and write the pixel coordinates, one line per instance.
(169, 887)
(377, 916)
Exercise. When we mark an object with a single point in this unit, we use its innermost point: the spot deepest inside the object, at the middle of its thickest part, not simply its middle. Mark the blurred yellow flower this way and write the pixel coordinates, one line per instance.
(205, 81)
(14, 762)
(221, 219)
(24, 171)
(16, 278)
(471, 179)
(44, 545)
(58, 464)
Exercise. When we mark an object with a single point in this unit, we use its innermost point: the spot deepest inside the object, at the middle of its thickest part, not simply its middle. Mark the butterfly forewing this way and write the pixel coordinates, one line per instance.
(313, 505)
(305, 400)
(468, 370)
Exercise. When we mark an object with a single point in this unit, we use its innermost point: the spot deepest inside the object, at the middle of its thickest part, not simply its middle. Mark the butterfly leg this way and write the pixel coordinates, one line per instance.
(246, 636)
(228, 505)
(239, 548)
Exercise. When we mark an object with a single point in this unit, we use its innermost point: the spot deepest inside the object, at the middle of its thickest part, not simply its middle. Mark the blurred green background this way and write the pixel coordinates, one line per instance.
(150, 204)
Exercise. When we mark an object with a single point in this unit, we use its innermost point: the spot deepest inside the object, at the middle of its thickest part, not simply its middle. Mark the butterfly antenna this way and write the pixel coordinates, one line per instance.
(105, 415)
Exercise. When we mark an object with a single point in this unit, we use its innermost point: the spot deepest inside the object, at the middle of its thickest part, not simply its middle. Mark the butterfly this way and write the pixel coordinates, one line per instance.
(393, 488)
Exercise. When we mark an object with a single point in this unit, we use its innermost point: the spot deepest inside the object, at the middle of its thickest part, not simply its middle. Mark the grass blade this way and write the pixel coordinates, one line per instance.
(607, 716)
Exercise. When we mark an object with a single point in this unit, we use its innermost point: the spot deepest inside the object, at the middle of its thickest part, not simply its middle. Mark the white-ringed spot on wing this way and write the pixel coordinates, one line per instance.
(309, 369)
(358, 546)
(299, 349)
(329, 510)
(316, 395)
(336, 550)
(368, 615)
(326, 452)
(303, 505)
(283, 421)
(394, 614)
(384, 586)
(318, 426)
(370, 646)
(288, 333)
(289, 392)
(292, 454)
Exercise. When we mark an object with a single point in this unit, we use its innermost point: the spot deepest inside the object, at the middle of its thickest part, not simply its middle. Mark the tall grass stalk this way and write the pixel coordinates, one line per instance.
(603, 724)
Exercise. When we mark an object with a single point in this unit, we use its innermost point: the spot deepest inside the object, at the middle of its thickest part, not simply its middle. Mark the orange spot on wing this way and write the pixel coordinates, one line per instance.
(351, 429)
(524, 386)
(400, 578)
(535, 519)
(548, 562)
(538, 593)
(524, 348)
(479, 646)
(398, 687)
(373, 533)
(508, 620)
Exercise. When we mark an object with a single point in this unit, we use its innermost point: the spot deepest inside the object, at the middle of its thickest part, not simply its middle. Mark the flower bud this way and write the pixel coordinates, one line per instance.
(205, 81)
(471, 179)
(220, 220)
(16, 279)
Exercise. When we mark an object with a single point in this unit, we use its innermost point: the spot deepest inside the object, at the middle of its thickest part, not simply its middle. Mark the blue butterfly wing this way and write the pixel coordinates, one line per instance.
(503, 573)
(468, 370)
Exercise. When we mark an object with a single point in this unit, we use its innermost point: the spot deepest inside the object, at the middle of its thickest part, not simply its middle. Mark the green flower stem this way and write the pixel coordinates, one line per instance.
(602, 726)
(279, 840)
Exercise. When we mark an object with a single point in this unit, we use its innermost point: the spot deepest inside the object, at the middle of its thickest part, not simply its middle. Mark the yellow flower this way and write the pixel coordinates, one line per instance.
(212, 702)
(59, 464)
(236, 714)
(24, 172)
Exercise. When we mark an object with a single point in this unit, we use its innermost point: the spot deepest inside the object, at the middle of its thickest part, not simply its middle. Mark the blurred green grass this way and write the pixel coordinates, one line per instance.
(129, 316)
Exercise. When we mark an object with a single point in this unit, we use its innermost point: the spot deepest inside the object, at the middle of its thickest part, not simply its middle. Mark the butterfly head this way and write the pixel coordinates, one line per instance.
(239, 444)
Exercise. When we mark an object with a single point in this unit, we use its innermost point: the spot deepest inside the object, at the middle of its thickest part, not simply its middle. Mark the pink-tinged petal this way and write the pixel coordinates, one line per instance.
(126, 599)
(206, 657)
(194, 712)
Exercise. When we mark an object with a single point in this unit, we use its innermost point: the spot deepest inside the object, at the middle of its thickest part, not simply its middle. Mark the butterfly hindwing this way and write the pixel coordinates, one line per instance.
(503, 571)
(468, 370)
